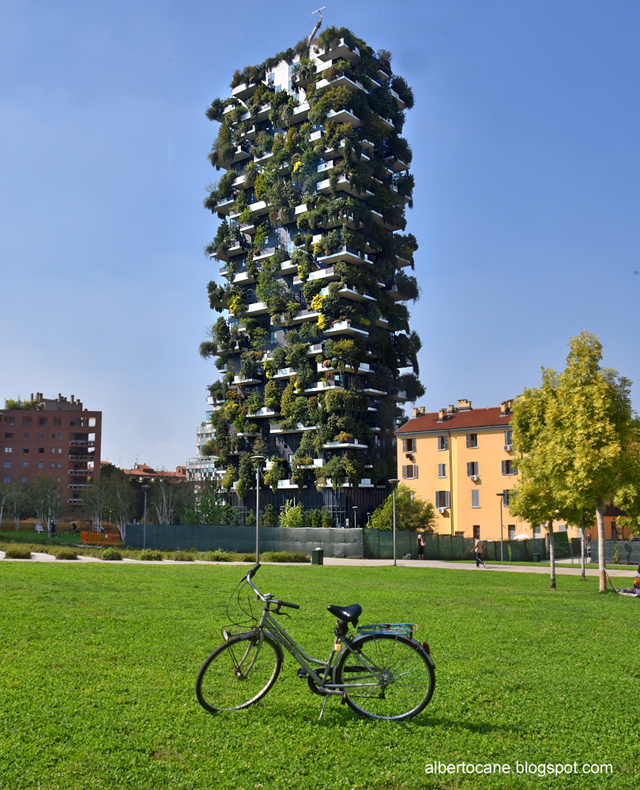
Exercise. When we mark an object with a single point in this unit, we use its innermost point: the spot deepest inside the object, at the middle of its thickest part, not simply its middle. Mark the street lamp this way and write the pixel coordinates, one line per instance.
(394, 482)
(144, 529)
(501, 495)
(259, 459)
(355, 515)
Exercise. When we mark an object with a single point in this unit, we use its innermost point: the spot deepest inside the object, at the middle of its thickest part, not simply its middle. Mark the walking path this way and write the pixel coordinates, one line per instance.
(562, 569)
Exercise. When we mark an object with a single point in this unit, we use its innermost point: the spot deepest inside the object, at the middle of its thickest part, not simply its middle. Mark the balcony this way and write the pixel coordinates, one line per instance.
(342, 50)
(344, 185)
(346, 328)
(81, 472)
(373, 392)
(305, 315)
(320, 274)
(265, 412)
(350, 293)
(344, 116)
(245, 381)
(284, 373)
(244, 91)
(347, 254)
(257, 308)
(400, 103)
(223, 206)
(324, 386)
(239, 155)
(275, 429)
(82, 442)
(343, 82)
(300, 113)
(403, 263)
(314, 350)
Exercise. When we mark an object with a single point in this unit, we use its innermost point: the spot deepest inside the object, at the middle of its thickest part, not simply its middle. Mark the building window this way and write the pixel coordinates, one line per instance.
(537, 533)
(57, 421)
(563, 528)
(512, 531)
(442, 470)
(8, 449)
(472, 469)
(505, 497)
(25, 479)
(8, 436)
(41, 436)
(472, 440)
(476, 531)
(27, 421)
(25, 449)
(443, 442)
(53, 466)
(7, 464)
(40, 465)
(26, 436)
(475, 497)
(442, 499)
(508, 439)
(408, 445)
(6, 479)
(41, 450)
(508, 468)
(59, 450)
(42, 421)
(410, 472)
(25, 464)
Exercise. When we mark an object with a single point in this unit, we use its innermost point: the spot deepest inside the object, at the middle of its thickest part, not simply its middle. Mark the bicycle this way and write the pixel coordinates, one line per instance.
(380, 670)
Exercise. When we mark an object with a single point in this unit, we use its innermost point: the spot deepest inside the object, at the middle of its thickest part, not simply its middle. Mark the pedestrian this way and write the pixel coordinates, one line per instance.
(478, 548)
(420, 547)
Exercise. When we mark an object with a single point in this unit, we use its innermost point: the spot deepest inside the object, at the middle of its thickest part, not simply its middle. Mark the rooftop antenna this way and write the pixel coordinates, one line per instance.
(318, 24)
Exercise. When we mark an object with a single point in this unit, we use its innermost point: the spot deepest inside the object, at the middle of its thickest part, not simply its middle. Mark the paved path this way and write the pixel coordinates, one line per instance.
(561, 569)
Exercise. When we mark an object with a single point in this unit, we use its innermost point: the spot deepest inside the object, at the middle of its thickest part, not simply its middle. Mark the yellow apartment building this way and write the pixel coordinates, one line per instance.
(461, 459)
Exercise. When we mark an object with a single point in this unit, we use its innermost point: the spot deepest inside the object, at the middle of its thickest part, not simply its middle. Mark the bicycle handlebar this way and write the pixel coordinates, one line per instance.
(266, 598)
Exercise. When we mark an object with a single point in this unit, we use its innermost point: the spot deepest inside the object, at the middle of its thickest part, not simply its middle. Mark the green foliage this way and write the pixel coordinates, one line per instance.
(269, 517)
(111, 554)
(148, 555)
(17, 553)
(284, 556)
(292, 515)
(182, 556)
(66, 554)
(412, 513)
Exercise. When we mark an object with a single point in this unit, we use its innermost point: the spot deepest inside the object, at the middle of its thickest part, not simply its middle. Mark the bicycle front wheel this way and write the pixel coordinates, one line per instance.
(238, 673)
(387, 676)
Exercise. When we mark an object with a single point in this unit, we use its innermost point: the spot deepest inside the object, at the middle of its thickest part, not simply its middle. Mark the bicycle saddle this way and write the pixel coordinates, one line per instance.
(348, 614)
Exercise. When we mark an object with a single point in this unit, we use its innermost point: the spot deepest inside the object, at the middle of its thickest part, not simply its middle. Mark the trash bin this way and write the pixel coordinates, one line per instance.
(536, 556)
(317, 556)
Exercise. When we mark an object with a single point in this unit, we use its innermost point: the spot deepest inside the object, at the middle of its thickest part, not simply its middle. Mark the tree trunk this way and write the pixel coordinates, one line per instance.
(601, 563)
(583, 551)
(552, 558)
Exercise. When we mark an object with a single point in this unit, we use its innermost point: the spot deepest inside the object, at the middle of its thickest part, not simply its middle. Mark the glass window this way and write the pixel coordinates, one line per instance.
(443, 442)
(475, 497)
(442, 470)
(472, 440)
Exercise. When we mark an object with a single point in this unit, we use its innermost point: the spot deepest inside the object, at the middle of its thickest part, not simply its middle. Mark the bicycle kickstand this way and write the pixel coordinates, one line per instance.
(324, 705)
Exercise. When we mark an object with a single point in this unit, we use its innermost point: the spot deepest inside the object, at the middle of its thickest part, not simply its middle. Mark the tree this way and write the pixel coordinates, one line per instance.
(412, 513)
(45, 498)
(18, 502)
(577, 436)
(120, 502)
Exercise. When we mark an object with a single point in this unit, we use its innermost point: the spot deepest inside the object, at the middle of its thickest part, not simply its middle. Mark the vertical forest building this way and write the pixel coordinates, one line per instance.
(313, 346)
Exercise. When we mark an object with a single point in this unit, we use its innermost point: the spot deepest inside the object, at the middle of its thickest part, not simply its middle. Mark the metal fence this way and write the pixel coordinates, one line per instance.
(628, 551)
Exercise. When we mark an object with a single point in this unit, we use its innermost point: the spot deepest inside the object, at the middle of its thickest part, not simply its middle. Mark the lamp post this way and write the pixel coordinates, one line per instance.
(144, 520)
(394, 482)
(501, 495)
(355, 515)
(259, 459)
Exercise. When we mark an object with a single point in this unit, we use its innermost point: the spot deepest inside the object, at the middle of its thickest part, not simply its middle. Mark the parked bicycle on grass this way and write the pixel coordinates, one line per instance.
(378, 670)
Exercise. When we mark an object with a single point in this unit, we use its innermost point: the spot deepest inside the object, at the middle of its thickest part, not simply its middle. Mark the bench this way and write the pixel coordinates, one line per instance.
(90, 538)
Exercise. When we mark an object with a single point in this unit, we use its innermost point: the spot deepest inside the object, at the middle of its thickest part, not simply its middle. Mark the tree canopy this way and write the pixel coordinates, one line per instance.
(577, 436)
(412, 513)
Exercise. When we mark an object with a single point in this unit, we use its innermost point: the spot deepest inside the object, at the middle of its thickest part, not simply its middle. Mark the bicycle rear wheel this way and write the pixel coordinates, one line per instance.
(238, 673)
(387, 676)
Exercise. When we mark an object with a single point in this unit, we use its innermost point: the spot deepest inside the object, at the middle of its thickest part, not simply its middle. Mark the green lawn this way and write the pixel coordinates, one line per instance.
(98, 663)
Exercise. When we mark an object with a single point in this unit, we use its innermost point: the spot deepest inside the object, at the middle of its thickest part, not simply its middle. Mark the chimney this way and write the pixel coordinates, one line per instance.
(452, 408)
(416, 412)
(505, 407)
(464, 405)
(423, 410)
(442, 415)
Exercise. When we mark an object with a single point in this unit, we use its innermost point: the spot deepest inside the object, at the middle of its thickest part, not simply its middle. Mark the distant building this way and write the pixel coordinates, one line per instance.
(461, 459)
(145, 473)
(203, 467)
(53, 438)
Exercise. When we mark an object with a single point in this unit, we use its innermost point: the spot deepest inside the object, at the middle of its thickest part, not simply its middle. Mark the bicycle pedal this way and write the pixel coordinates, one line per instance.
(301, 673)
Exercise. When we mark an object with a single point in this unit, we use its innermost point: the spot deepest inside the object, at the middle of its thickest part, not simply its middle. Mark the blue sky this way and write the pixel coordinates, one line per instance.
(526, 159)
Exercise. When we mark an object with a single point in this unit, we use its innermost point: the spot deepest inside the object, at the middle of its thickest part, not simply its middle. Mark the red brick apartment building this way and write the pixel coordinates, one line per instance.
(57, 438)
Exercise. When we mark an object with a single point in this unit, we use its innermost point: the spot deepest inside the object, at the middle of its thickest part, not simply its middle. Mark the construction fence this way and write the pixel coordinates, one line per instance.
(336, 542)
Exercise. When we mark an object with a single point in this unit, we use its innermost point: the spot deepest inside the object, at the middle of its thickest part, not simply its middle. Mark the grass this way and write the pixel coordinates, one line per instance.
(98, 662)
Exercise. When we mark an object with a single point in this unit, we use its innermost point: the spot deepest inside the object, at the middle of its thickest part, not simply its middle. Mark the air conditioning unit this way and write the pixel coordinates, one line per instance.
(508, 448)
(442, 510)
(475, 478)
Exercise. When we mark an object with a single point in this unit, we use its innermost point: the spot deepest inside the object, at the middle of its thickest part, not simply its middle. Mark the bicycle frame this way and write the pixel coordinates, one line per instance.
(323, 679)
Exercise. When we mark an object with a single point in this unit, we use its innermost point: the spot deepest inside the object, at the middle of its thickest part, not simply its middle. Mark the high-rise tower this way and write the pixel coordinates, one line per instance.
(314, 333)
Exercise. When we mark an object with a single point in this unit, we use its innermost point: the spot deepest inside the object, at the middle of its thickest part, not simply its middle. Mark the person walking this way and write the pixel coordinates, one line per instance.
(478, 548)
(420, 547)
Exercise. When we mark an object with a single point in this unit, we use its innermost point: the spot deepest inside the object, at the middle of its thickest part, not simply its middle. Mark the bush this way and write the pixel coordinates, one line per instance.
(284, 556)
(217, 556)
(17, 553)
(150, 556)
(182, 556)
(111, 554)
(66, 554)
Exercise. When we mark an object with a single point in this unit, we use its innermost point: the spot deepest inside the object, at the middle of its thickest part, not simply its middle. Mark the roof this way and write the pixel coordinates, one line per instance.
(457, 421)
